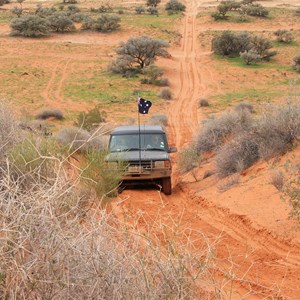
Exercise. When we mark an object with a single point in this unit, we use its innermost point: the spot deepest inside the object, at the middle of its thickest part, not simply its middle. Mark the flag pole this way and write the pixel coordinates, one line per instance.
(139, 124)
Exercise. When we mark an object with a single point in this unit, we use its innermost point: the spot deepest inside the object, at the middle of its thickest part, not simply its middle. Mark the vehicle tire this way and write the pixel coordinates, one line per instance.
(167, 186)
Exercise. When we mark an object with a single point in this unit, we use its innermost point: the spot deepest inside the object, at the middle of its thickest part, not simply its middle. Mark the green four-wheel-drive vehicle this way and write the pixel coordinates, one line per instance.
(144, 152)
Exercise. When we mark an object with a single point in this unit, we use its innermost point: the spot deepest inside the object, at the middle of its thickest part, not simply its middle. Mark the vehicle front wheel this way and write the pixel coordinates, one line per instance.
(167, 186)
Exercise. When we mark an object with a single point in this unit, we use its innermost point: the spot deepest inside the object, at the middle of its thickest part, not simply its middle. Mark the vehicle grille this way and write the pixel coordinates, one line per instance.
(148, 164)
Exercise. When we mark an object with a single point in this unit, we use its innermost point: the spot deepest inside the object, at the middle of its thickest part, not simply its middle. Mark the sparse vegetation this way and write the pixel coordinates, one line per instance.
(50, 113)
(244, 106)
(166, 94)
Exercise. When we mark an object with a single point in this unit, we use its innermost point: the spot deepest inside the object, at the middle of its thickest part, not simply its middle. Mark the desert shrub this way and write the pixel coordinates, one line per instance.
(203, 103)
(79, 140)
(277, 179)
(236, 156)
(30, 26)
(10, 133)
(2, 2)
(49, 113)
(215, 130)
(153, 3)
(166, 94)
(60, 22)
(250, 57)
(174, 6)
(106, 23)
(188, 159)
(262, 45)
(284, 36)
(121, 12)
(70, 1)
(47, 253)
(158, 119)
(231, 43)
(105, 8)
(244, 106)
(152, 11)
(224, 7)
(78, 17)
(44, 12)
(296, 64)
(152, 75)
(72, 9)
(140, 10)
(277, 129)
(101, 176)
(91, 119)
(32, 155)
(297, 11)
(17, 10)
(257, 10)
(291, 192)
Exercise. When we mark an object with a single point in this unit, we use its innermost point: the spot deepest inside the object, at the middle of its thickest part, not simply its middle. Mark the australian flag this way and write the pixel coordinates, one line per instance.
(144, 105)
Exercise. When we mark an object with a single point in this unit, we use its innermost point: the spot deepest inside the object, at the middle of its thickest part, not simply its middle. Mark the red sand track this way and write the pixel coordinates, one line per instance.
(265, 265)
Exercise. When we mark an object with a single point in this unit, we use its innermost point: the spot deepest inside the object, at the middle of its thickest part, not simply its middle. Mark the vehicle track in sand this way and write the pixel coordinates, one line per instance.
(266, 266)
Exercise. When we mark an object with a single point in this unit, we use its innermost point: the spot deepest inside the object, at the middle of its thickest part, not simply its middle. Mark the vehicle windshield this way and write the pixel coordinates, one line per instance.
(132, 142)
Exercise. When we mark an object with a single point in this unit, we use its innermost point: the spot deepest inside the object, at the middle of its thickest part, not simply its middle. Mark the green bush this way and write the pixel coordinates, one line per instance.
(106, 23)
(174, 6)
(91, 119)
(188, 159)
(284, 36)
(36, 155)
(102, 176)
(250, 57)
(30, 26)
(140, 10)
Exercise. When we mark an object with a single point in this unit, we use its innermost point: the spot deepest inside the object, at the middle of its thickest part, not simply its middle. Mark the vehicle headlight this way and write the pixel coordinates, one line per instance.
(161, 164)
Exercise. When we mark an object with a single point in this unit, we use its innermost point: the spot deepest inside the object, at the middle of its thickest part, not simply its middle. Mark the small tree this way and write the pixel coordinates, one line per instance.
(30, 26)
(142, 50)
(174, 6)
(296, 65)
(152, 10)
(107, 23)
(60, 22)
(284, 36)
(153, 3)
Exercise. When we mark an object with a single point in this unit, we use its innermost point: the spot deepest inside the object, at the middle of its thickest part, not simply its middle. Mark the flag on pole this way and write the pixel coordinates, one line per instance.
(144, 105)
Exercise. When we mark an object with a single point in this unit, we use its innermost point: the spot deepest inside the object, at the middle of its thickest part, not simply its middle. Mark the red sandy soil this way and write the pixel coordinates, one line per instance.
(258, 243)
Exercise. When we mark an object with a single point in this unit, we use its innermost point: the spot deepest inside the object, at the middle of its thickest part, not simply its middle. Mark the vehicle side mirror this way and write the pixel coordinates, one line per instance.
(172, 149)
